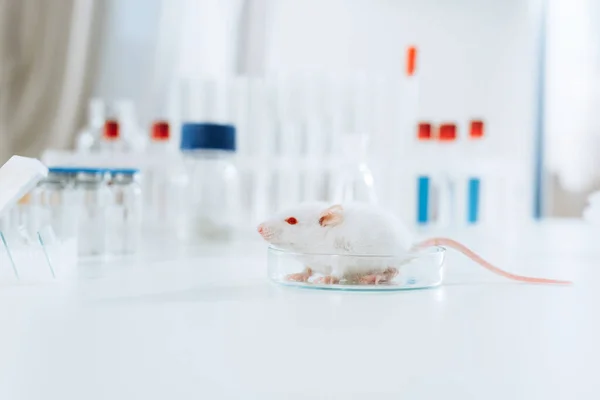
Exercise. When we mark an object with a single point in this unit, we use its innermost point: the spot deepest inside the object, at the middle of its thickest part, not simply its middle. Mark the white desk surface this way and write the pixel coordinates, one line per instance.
(211, 326)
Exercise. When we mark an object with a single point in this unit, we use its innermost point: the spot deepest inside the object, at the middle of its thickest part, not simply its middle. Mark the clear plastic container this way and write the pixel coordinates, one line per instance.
(417, 270)
(92, 197)
(120, 132)
(213, 190)
(124, 212)
(29, 249)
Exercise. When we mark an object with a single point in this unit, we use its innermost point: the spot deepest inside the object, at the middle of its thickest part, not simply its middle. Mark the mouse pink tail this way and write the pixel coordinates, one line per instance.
(453, 244)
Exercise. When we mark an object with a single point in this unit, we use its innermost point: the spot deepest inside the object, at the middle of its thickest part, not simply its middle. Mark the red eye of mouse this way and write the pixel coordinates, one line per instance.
(291, 221)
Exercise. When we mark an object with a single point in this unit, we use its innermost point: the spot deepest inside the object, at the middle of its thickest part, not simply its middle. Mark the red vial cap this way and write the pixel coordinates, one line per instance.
(476, 129)
(411, 60)
(447, 132)
(161, 131)
(424, 131)
(111, 129)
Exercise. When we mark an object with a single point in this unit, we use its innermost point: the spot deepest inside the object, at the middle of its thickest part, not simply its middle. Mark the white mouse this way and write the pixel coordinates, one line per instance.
(355, 229)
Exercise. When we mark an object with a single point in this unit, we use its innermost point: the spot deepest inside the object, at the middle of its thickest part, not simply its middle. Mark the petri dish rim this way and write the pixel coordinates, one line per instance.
(435, 256)
(430, 251)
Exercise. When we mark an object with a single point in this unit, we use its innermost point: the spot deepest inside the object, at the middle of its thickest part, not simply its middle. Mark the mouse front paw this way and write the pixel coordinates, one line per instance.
(327, 280)
(299, 277)
(378, 278)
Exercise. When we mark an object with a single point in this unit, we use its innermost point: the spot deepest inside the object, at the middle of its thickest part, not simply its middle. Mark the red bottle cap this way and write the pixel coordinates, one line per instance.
(111, 129)
(160, 131)
(476, 129)
(424, 131)
(447, 132)
(411, 60)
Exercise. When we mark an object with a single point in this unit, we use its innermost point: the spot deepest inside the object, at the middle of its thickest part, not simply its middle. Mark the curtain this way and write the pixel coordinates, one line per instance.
(47, 51)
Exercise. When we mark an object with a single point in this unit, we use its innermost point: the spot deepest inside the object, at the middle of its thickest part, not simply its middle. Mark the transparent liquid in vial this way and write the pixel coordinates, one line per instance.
(124, 213)
(92, 196)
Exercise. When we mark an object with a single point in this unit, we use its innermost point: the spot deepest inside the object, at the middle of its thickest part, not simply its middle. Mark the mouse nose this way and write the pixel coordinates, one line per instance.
(261, 229)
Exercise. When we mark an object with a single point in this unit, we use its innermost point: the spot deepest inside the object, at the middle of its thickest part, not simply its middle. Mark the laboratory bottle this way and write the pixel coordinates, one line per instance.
(111, 140)
(354, 181)
(124, 212)
(91, 134)
(162, 178)
(446, 199)
(213, 188)
(92, 197)
(121, 132)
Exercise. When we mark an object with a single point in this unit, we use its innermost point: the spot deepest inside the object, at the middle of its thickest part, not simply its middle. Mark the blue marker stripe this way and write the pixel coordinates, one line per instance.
(423, 200)
(473, 200)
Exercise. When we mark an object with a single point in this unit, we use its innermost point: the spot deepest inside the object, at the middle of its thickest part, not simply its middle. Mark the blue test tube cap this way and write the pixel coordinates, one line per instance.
(207, 136)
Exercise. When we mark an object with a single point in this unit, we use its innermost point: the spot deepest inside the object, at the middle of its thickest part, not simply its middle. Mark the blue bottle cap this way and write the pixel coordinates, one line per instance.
(124, 171)
(63, 170)
(207, 136)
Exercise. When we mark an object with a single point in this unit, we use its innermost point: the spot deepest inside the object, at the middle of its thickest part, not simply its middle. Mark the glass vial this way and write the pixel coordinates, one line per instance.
(213, 190)
(92, 197)
(124, 216)
(53, 201)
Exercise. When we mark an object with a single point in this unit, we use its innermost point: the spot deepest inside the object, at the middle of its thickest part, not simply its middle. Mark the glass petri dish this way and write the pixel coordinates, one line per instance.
(417, 270)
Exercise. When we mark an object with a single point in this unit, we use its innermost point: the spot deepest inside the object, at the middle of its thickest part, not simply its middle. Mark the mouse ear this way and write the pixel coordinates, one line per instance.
(332, 216)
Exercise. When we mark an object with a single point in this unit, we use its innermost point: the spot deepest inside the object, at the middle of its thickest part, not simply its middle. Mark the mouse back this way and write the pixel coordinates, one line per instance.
(368, 229)
(350, 228)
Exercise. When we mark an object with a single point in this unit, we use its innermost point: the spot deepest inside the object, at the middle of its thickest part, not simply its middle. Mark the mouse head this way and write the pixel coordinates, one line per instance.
(301, 226)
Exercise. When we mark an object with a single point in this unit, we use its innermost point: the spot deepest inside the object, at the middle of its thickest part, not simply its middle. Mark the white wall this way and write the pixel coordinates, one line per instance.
(127, 53)
(573, 95)
(148, 42)
(476, 59)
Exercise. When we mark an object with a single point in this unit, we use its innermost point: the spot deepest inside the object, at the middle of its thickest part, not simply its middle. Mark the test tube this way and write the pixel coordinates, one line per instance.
(425, 136)
(476, 133)
(262, 127)
(316, 99)
(445, 202)
(290, 135)
(356, 182)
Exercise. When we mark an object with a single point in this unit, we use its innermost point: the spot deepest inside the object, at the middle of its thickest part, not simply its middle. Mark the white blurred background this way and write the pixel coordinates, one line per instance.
(477, 59)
